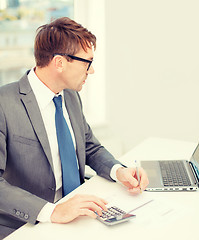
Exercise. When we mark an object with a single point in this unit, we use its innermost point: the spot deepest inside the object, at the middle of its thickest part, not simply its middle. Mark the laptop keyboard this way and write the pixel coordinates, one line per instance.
(174, 173)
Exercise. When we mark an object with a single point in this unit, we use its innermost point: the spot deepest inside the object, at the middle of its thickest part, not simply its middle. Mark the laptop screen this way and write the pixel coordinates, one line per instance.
(195, 161)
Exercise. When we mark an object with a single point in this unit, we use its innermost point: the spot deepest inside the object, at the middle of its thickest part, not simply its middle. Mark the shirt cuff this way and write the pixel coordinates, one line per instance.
(114, 170)
(46, 212)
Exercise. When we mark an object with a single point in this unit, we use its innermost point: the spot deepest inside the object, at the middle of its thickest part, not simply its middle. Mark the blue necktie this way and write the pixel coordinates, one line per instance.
(70, 172)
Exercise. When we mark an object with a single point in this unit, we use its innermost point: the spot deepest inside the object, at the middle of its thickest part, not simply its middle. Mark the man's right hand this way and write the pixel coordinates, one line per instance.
(79, 205)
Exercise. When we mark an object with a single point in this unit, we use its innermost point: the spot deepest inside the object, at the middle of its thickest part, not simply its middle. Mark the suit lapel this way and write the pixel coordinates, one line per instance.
(34, 114)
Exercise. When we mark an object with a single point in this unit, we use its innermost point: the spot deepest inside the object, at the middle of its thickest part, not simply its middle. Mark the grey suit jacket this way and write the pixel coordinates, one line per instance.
(27, 179)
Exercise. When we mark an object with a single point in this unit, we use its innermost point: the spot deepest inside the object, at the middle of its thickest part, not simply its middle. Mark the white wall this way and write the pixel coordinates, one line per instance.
(152, 69)
(91, 14)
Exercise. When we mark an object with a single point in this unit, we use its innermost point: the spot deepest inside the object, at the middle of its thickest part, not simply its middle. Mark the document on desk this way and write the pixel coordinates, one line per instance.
(146, 209)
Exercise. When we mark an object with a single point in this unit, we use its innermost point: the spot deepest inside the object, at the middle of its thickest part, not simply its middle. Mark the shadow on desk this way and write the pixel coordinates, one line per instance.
(5, 231)
(8, 224)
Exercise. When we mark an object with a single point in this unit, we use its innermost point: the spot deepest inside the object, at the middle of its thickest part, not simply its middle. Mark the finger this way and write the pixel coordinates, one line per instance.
(127, 184)
(131, 180)
(87, 212)
(92, 198)
(134, 190)
(92, 206)
(98, 201)
(143, 179)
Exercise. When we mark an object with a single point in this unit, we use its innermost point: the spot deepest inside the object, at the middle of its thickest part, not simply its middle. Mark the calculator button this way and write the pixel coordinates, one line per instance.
(112, 213)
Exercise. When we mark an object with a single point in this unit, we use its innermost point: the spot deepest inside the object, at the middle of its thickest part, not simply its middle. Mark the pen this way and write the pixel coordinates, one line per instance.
(138, 175)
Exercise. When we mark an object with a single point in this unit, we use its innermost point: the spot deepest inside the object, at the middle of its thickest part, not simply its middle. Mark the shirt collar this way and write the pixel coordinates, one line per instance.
(42, 93)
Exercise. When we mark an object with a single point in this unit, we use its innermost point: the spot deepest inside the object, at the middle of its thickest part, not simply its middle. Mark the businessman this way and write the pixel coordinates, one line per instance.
(45, 141)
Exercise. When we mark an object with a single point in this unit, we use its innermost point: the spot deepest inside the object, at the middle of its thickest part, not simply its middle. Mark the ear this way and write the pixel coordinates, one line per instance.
(58, 63)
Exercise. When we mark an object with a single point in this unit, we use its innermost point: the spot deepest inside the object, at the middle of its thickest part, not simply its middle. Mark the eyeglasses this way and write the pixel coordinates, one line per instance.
(76, 58)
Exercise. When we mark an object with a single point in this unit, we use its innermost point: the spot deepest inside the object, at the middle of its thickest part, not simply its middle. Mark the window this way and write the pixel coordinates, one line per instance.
(19, 20)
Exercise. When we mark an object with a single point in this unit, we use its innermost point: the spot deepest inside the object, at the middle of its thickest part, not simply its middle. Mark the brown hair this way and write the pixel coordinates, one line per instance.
(61, 36)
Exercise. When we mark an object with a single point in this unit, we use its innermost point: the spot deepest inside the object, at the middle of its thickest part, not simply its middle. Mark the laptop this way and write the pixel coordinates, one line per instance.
(173, 175)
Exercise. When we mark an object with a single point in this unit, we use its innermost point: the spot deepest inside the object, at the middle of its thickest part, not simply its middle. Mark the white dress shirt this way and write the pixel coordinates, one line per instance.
(44, 97)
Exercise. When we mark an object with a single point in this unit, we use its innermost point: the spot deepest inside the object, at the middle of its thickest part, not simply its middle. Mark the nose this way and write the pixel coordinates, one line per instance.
(91, 70)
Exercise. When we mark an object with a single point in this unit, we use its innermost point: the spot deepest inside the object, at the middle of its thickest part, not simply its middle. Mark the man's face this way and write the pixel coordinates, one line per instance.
(76, 72)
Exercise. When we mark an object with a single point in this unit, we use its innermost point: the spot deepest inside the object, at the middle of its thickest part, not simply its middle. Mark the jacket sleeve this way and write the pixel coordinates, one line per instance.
(97, 157)
(13, 200)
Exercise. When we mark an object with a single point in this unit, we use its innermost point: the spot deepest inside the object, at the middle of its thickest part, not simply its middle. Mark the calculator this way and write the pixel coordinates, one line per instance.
(114, 215)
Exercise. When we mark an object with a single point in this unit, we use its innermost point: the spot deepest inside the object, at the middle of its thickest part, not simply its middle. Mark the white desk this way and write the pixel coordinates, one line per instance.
(180, 223)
